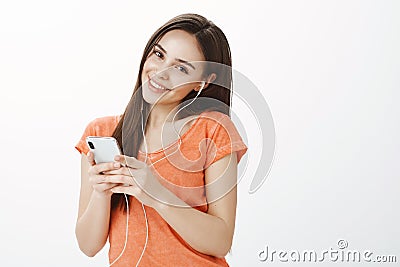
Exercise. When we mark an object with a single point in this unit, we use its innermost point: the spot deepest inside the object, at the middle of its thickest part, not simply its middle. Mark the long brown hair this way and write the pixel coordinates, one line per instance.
(215, 48)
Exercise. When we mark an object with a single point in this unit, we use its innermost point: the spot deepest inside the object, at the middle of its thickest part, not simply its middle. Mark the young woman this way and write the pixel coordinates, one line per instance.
(155, 206)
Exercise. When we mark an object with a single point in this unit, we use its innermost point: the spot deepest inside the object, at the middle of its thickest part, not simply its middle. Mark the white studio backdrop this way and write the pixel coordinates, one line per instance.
(329, 71)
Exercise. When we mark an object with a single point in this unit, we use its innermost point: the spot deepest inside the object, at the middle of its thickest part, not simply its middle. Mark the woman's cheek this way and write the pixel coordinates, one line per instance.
(149, 64)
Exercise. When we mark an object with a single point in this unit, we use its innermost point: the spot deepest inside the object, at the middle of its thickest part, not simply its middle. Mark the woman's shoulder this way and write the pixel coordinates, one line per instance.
(109, 119)
(213, 119)
(219, 124)
(104, 124)
(214, 116)
(213, 123)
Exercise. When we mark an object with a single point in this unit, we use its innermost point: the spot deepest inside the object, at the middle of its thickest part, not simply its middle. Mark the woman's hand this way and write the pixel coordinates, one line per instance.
(138, 179)
(97, 177)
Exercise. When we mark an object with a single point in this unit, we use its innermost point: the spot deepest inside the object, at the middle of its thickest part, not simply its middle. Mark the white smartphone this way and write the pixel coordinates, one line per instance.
(104, 148)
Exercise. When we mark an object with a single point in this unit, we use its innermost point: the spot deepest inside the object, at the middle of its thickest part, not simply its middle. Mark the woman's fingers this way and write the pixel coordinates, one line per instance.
(123, 170)
(102, 167)
(113, 179)
(104, 186)
(90, 158)
(130, 162)
(95, 180)
(118, 179)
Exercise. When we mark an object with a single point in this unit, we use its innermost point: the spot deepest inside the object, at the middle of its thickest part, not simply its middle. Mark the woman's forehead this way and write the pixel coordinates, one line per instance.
(181, 44)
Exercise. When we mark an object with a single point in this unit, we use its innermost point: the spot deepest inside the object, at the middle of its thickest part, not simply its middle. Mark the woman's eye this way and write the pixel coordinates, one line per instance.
(158, 53)
(183, 69)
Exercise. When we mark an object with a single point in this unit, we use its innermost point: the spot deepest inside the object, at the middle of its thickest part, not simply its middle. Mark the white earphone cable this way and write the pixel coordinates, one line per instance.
(146, 153)
(126, 231)
(180, 141)
(173, 119)
(144, 211)
(127, 222)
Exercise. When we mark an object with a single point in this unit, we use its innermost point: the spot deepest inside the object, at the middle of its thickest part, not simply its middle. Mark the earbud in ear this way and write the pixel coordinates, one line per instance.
(203, 83)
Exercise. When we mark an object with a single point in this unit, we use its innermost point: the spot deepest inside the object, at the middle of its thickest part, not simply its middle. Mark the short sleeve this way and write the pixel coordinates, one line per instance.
(90, 130)
(224, 139)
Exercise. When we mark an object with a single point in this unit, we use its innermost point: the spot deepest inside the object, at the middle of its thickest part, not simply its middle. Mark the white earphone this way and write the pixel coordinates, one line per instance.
(203, 83)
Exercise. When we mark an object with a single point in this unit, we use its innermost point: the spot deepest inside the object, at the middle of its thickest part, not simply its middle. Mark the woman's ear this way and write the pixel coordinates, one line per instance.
(210, 79)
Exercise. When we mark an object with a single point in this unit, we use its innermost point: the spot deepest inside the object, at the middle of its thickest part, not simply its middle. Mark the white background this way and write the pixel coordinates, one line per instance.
(329, 71)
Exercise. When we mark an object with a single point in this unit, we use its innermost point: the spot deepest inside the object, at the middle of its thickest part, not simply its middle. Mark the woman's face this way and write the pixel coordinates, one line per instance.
(169, 72)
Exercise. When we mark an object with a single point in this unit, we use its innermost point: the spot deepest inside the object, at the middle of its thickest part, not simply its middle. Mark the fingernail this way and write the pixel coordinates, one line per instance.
(116, 164)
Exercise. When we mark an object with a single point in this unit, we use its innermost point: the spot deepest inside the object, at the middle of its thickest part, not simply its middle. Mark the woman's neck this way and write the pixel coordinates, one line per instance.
(159, 114)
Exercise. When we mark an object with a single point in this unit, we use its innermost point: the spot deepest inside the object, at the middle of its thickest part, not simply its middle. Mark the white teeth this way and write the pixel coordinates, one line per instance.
(156, 85)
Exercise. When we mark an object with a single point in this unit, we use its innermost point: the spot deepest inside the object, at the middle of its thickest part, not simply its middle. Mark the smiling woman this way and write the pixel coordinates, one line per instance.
(179, 206)
(172, 72)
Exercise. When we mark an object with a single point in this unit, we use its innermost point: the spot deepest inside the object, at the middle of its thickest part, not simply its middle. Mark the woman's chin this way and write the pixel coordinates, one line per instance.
(151, 98)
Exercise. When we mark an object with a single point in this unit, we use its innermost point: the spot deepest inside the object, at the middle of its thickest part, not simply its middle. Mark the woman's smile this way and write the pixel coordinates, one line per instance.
(156, 87)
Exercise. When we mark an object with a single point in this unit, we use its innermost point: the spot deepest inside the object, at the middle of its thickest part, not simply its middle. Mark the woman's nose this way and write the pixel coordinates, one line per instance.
(163, 74)
(162, 70)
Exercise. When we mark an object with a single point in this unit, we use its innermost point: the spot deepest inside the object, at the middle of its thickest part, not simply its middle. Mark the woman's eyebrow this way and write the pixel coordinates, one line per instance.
(177, 59)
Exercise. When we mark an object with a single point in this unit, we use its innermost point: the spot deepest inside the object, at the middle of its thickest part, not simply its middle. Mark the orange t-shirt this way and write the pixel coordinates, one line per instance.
(211, 137)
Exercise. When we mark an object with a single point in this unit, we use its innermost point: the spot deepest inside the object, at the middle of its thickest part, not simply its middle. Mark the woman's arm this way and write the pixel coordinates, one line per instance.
(94, 214)
(212, 232)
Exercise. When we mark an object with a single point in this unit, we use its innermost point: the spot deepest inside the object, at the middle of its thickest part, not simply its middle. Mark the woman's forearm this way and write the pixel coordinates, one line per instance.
(205, 233)
(92, 227)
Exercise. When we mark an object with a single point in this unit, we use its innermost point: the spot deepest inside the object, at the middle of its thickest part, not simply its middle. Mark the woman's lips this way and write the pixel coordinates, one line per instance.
(156, 87)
